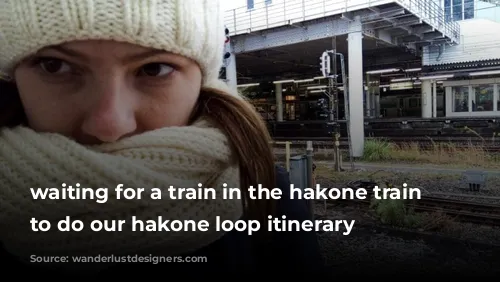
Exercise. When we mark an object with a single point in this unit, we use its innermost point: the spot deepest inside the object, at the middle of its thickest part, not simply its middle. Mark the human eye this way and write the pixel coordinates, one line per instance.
(155, 70)
(52, 66)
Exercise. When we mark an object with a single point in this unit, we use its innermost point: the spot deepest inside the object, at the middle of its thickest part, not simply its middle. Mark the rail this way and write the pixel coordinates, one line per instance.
(263, 15)
(466, 211)
(328, 147)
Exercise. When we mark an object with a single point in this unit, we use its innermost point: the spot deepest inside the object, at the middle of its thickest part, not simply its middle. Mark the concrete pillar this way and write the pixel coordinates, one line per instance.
(434, 99)
(426, 103)
(279, 101)
(356, 87)
(231, 74)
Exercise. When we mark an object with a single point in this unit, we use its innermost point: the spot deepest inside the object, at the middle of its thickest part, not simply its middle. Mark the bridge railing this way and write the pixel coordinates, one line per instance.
(433, 14)
(285, 12)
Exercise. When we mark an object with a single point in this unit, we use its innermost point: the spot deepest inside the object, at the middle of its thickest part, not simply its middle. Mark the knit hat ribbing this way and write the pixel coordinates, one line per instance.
(192, 28)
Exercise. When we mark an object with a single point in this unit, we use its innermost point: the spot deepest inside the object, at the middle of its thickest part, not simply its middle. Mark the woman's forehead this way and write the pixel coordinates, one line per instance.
(96, 47)
(99, 50)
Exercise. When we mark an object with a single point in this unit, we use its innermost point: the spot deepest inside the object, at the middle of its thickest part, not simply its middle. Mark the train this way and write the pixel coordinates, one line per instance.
(307, 117)
(401, 105)
(296, 107)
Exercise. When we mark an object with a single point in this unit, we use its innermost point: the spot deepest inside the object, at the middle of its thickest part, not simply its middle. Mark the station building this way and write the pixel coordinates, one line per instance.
(401, 59)
(470, 71)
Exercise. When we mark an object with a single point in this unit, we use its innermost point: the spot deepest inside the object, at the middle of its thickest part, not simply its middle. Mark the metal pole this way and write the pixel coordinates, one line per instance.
(234, 20)
(334, 97)
(287, 152)
(334, 108)
(336, 152)
(310, 180)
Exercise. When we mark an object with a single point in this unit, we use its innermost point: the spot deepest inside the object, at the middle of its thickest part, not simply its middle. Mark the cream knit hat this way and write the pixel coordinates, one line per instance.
(192, 28)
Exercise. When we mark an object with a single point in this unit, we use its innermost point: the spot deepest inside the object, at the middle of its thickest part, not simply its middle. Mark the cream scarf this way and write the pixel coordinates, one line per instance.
(178, 156)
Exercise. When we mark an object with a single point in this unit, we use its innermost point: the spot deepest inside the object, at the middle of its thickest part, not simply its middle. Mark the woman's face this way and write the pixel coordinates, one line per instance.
(101, 91)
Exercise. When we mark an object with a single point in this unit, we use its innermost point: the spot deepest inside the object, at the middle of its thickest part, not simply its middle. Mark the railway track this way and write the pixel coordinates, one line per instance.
(459, 205)
(408, 139)
(465, 211)
(424, 143)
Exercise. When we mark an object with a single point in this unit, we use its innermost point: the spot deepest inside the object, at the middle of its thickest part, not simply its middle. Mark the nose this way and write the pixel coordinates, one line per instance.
(111, 113)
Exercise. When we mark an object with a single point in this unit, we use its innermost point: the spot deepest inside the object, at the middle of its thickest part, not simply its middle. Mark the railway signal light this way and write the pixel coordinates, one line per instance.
(226, 32)
(325, 64)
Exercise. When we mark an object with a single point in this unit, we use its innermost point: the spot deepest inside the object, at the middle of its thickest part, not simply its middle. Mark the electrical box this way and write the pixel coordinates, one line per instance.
(475, 179)
(300, 177)
(298, 172)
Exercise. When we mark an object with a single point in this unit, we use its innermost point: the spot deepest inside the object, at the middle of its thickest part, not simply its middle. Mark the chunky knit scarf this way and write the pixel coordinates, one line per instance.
(177, 156)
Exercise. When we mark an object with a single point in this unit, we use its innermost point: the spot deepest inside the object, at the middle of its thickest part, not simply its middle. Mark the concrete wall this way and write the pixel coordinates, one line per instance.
(480, 40)
(487, 11)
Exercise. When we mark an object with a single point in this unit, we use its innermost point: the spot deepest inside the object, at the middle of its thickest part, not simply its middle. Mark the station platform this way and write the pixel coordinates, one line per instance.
(460, 128)
(439, 169)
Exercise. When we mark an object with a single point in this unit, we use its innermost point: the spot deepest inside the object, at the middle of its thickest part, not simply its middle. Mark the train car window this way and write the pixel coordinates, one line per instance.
(413, 103)
(483, 98)
(460, 97)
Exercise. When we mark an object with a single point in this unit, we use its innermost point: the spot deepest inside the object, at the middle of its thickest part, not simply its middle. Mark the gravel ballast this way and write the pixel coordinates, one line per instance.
(455, 250)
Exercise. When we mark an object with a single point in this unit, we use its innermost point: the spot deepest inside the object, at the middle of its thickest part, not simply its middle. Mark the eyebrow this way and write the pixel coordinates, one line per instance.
(127, 59)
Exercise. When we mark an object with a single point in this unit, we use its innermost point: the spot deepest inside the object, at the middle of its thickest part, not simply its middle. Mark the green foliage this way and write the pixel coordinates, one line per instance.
(395, 213)
(377, 150)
